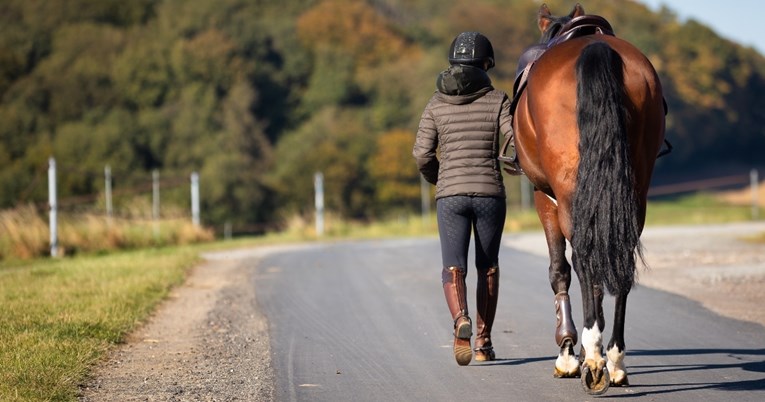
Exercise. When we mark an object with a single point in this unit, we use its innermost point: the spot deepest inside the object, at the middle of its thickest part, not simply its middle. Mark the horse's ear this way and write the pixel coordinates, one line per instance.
(544, 18)
(578, 11)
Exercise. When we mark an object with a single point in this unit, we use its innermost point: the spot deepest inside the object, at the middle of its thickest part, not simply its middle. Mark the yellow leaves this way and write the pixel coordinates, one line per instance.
(393, 167)
(206, 57)
(703, 67)
(353, 26)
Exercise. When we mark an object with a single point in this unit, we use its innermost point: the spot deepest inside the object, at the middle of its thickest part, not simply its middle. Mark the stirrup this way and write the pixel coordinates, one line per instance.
(512, 167)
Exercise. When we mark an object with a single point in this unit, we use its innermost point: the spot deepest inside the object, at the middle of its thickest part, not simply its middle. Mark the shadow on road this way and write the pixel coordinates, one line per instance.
(518, 362)
(743, 360)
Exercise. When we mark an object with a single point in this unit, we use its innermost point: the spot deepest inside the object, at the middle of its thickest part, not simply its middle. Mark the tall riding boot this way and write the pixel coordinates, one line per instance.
(453, 279)
(487, 292)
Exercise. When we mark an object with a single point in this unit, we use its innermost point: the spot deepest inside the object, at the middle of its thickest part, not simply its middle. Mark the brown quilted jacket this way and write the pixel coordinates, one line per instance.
(464, 129)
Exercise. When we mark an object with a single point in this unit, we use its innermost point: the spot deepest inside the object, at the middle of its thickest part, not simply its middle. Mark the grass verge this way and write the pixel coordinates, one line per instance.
(60, 316)
(696, 210)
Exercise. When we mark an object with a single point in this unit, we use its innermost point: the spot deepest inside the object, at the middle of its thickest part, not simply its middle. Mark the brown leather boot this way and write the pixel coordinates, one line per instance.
(487, 292)
(453, 279)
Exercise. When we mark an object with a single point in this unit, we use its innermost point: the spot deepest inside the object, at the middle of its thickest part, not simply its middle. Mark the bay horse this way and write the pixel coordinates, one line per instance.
(588, 128)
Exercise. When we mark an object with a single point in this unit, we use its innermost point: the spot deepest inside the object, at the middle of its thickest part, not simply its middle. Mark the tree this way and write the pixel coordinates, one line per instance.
(392, 167)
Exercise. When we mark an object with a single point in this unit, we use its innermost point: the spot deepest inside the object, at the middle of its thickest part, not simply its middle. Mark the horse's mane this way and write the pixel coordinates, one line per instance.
(554, 28)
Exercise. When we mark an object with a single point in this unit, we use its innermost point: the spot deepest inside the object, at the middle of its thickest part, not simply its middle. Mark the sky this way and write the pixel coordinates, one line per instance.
(737, 20)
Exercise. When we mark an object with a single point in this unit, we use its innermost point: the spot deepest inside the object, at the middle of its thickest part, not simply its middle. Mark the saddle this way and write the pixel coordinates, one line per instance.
(577, 27)
(580, 26)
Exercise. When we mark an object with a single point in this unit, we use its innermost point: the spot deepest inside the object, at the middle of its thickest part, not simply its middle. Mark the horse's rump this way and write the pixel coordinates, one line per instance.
(546, 127)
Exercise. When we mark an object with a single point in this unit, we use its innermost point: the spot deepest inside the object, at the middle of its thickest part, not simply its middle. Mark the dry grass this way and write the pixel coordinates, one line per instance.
(744, 195)
(25, 234)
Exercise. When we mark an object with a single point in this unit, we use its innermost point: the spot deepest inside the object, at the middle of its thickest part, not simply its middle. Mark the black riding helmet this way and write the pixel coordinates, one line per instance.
(471, 48)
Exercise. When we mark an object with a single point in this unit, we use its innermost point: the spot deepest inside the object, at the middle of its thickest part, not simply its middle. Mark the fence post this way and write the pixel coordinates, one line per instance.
(525, 193)
(318, 183)
(108, 192)
(53, 207)
(754, 182)
(195, 198)
(425, 200)
(227, 230)
(155, 200)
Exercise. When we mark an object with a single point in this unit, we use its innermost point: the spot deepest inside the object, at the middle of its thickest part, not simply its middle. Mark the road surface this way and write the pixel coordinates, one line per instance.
(366, 321)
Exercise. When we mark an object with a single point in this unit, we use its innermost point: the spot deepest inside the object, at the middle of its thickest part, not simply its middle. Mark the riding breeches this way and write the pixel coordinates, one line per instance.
(457, 216)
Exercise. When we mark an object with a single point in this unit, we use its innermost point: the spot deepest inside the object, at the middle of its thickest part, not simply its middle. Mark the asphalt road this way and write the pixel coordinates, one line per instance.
(366, 321)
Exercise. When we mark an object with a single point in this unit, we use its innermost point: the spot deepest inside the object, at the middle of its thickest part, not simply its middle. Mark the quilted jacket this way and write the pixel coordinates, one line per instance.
(458, 139)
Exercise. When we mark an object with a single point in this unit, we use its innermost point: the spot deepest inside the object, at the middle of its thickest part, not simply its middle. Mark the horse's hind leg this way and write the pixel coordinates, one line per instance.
(616, 350)
(595, 374)
(566, 365)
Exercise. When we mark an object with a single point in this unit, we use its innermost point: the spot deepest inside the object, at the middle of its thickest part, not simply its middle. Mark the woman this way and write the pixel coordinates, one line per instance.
(463, 121)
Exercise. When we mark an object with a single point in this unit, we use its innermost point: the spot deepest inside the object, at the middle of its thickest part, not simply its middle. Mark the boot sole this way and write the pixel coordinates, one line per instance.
(463, 353)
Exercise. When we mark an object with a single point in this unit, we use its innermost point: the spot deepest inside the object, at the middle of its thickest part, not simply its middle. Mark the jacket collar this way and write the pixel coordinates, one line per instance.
(461, 84)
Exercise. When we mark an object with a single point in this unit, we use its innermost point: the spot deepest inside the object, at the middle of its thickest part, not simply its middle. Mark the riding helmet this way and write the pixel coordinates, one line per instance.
(471, 48)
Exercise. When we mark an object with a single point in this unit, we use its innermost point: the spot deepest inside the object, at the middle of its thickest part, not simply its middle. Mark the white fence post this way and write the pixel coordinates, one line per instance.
(525, 193)
(318, 183)
(754, 182)
(108, 191)
(53, 207)
(227, 230)
(195, 198)
(155, 200)
(425, 199)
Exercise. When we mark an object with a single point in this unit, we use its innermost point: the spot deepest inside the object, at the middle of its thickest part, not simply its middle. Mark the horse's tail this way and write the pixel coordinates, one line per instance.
(606, 233)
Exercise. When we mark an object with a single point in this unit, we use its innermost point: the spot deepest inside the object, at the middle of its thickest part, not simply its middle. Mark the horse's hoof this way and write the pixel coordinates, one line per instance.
(567, 364)
(595, 382)
(623, 382)
(557, 373)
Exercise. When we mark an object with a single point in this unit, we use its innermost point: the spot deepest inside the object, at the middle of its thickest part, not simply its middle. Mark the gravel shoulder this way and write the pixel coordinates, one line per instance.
(714, 265)
(209, 342)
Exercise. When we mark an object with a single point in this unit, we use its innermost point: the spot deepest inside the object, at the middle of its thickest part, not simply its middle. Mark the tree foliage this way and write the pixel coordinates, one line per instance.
(257, 96)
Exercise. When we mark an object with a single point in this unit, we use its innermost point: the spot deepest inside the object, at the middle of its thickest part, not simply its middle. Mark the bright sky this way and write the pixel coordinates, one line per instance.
(737, 20)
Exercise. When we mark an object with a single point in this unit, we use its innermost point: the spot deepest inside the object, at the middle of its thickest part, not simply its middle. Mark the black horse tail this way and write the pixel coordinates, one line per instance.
(606, 233)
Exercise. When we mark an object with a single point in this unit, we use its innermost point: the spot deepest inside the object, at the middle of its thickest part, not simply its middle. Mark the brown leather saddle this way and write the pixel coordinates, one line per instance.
(580, 26)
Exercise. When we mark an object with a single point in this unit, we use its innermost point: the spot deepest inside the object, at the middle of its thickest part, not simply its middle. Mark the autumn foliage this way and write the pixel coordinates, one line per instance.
(259, 96)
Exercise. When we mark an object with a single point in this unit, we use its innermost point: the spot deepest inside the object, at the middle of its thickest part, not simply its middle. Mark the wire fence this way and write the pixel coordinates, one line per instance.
(701, 185)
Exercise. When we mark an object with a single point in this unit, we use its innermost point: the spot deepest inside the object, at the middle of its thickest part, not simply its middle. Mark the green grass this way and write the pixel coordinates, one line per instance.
(696, 209)
(60, 316)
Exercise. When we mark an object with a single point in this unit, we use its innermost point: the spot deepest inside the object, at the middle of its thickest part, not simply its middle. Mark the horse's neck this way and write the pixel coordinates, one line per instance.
(581, 26)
